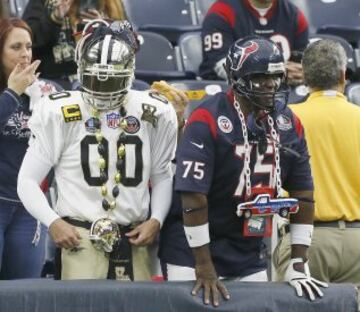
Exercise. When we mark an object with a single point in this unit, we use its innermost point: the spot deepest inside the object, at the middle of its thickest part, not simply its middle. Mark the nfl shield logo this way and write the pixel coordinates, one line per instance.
(113, 120)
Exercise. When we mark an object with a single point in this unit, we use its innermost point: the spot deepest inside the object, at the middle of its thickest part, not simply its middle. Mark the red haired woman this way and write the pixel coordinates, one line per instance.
(21, 238)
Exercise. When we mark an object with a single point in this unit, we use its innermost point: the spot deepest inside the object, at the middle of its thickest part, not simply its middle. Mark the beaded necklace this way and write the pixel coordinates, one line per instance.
(110, 205)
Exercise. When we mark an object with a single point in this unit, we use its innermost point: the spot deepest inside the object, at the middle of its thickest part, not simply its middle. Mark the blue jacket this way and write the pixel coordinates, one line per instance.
(14, 136)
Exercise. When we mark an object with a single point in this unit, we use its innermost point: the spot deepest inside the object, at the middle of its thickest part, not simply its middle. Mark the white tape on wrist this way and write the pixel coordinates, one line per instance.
(301, 234)
(197, 235)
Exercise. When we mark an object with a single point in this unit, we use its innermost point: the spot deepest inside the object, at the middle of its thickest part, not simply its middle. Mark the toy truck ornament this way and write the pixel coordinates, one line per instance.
(263, 205)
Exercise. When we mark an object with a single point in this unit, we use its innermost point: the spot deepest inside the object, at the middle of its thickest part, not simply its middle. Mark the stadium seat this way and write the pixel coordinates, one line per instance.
(298, 94)
(140, 85)
(201, 7)
(158, 59)
(169, 18)
(352, 91)
(191, 51)
(323, 12)
(350, 33)
(199, 90)
(352, 66)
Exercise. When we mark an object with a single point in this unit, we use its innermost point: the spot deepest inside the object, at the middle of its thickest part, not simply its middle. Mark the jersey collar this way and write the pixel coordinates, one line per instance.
(327, 93)
(269, 14)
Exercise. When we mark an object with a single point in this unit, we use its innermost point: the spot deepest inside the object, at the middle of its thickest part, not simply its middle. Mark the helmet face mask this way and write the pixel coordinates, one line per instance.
(106, 66)
(256, 70)
(262, 90)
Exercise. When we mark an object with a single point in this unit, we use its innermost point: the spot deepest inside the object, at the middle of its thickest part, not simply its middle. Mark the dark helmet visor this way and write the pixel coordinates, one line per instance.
(105, 84)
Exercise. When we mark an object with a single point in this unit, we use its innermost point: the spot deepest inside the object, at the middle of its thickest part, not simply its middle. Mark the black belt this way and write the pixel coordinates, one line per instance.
(337, 224)
(87, 225)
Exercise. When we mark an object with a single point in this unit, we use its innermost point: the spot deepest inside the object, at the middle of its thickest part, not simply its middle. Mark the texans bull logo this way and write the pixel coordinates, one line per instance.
(240, 58)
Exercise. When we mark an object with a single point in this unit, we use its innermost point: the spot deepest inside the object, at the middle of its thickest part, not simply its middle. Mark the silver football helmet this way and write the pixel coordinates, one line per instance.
(106, 65)
(104, 233)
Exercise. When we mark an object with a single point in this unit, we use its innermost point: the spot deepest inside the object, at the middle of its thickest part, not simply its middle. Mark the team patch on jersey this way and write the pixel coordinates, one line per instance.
(113, 120)
(284, 122)
(225, 124)
(149, 114)
(133, 124)
(91, 125)
(71, 112)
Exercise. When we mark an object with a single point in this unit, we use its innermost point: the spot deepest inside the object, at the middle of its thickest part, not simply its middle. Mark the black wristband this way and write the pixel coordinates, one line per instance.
(193, 209)
(306, 200)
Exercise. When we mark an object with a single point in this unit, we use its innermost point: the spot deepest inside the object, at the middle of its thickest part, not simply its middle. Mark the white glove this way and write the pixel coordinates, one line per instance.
(301, 280)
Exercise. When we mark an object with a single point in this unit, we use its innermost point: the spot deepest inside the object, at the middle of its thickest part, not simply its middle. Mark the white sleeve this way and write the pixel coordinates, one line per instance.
(162, 153)
(163, 145)
(48, 134)
(161, 194)
(32, 172)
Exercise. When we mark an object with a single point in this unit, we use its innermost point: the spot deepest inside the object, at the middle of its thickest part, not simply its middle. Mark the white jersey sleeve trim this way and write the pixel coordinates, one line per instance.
(32, 172)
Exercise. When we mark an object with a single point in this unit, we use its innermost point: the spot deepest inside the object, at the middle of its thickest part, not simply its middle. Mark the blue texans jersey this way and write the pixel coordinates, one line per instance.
(229, 20)
(210, 160)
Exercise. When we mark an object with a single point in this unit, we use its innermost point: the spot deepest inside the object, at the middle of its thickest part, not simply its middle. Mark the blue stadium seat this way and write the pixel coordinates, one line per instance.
(352, 91)
(158, 59)
(298, 94)
(166, 17)
(201, 8)
(199, 90)
(191, 51)
(350, 33)
(352, 66)
(140, 85)
(323, 12)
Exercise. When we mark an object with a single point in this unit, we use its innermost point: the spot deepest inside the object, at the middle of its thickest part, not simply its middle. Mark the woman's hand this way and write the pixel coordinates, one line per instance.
(62, 8)
(22, 77)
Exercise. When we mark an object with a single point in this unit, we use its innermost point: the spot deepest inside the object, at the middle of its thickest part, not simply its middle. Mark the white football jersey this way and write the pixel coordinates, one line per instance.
(63, 135)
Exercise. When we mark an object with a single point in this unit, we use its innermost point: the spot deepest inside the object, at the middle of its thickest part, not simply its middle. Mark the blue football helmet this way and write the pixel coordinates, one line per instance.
(255, 69)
